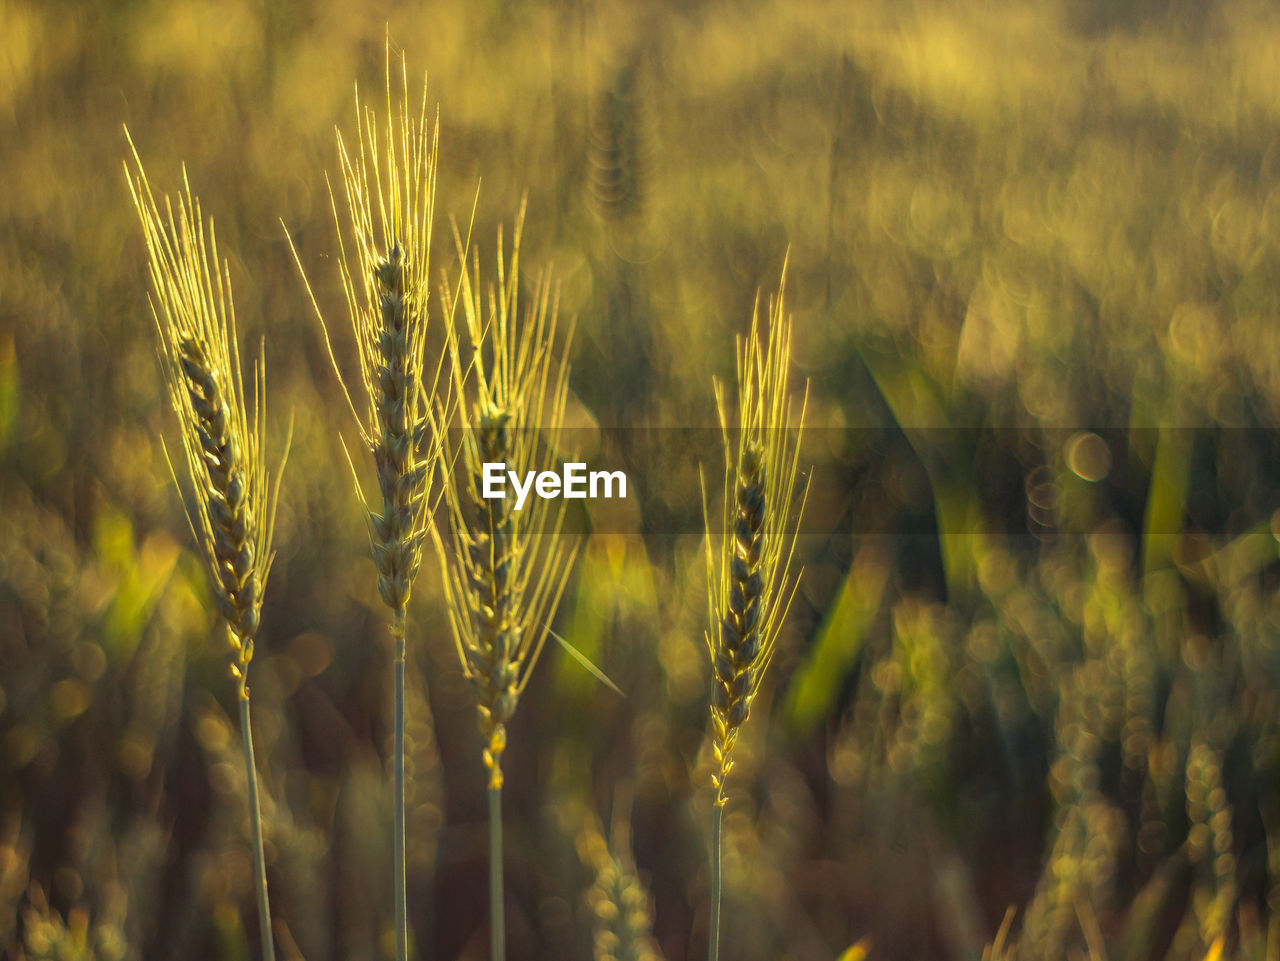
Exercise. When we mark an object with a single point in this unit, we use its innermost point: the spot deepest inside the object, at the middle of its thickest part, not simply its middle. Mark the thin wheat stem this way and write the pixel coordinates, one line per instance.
(255, 822)
(717, 838)
(398, 842)
(497, 914)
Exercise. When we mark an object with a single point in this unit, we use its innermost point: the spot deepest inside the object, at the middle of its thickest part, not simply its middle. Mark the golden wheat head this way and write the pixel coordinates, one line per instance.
(383, 220)
(232, 512)
(750, 577)
(506, 569)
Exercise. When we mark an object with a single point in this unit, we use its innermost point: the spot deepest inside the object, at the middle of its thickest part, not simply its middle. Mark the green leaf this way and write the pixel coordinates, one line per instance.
(839, 641)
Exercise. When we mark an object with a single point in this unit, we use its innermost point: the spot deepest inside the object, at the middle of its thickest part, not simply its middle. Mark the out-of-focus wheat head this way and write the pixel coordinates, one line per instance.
(232, 507)
(750, 577)
(506, 569)
(383, 214)
(622, 907)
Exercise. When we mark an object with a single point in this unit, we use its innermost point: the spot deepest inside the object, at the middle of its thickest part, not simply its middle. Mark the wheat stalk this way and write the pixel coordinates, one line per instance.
(505, 570)
(750, 578)
(384, 235)
(232, 510)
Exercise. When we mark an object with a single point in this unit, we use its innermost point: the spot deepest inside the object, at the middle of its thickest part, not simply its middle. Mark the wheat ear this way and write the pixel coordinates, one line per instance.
(384, 237)
(623, 923)
(232, 511)
(750, 578)
(505, 570)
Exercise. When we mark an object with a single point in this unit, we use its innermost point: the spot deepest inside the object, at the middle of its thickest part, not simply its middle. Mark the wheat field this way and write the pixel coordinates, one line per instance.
(1024, 702)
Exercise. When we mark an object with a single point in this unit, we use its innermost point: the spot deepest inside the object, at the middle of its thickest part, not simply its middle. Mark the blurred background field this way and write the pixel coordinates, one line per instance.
(1034, 261)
